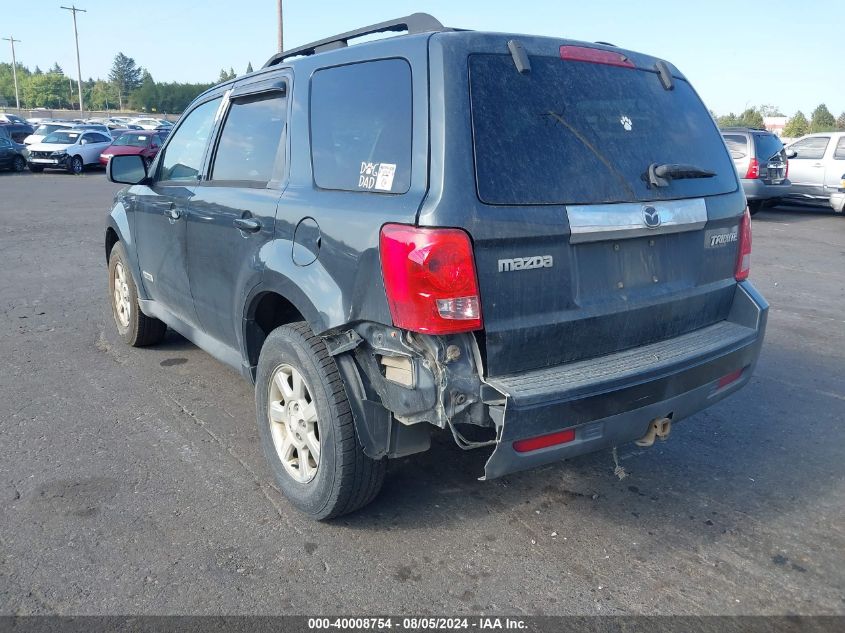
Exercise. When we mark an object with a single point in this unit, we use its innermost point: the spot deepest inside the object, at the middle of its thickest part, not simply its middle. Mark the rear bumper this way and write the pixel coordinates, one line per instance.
(611, 400)
(756, 189)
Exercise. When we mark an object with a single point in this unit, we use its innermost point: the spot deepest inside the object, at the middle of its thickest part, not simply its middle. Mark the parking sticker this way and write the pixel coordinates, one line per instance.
(377, 176)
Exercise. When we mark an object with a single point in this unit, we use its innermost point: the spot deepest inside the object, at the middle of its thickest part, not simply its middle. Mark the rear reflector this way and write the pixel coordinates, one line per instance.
(544, 441)
(743, 258)
(595, 56)
(429, 278)
(724, 381)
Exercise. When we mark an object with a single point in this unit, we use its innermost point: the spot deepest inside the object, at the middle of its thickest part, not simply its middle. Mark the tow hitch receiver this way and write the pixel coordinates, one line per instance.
(659, 427)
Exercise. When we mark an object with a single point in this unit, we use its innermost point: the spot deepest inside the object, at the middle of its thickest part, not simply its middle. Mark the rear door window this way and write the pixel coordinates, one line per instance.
(361, 127)
(839, 152)
(585, 133)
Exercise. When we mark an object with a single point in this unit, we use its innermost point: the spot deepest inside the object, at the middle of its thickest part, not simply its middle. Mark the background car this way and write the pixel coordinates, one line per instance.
(71, 149)
(143, 143)
(150, 123)
(12, 155)
(15, 131)
(760, 161)
(6, 117)
(817, 163)
(44, 129)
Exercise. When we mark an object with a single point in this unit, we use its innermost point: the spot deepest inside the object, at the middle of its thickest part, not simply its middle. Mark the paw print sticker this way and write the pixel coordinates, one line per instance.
(626, 123)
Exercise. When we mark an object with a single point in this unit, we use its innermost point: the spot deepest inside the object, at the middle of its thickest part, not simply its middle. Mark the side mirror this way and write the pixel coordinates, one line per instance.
(126, 170)
(83, 142)
(791, 153)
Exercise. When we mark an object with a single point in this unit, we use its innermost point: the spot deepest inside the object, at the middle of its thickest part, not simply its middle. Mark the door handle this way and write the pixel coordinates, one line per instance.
(173, 213)
(247, 224)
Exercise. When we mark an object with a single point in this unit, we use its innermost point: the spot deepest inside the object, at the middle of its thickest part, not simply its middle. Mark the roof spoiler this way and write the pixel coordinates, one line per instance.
(412, 24)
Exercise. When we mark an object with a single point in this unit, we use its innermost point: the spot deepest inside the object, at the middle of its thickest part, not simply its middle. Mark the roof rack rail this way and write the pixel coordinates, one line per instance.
(414, 23)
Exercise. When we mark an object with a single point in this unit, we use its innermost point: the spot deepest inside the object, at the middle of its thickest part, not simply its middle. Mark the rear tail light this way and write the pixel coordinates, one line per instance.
(753, 169)
(743, 258)
(594, 55)
(544, 441)
(430, 281)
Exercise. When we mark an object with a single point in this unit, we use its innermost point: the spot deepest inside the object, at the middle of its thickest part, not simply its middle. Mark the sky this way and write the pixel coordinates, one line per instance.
(736, 54)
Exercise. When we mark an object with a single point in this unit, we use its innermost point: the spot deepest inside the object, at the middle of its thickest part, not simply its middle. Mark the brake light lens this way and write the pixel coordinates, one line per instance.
(430, 281)
(753, 169)
(743, 259)
(595, 56)
(544, 441)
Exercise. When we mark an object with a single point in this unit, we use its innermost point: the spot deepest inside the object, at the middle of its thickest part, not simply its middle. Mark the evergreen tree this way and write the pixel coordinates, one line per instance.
(822, 120)
(125, 76)
(840, 122)
(249, 70)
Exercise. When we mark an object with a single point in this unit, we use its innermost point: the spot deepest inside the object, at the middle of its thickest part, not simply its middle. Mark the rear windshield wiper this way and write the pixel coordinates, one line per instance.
(660, 175)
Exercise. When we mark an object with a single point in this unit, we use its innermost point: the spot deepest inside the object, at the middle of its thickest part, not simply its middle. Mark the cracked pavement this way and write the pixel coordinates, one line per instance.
(132, 482)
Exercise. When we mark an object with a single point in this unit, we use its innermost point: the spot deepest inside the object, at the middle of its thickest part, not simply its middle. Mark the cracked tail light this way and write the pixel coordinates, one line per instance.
(743, 258)
(429, 277)
(753, 169)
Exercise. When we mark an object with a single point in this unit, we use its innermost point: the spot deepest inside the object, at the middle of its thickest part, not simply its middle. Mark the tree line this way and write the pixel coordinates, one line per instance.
(821, 120)
(128, 86)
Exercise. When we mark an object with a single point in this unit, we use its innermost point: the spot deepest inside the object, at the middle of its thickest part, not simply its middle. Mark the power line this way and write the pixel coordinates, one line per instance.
(74, 10)
(12, 41)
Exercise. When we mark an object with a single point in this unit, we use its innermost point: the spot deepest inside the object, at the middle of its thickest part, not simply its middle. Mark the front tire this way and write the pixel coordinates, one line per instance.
(75, 165)
(134, 327)
(19, 164)
(306, 428)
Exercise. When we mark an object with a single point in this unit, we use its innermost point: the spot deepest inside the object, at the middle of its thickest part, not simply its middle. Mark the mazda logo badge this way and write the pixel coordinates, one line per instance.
(651, 217)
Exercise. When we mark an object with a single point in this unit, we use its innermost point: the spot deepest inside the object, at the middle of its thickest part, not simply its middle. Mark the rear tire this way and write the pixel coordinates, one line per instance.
(754, 206)
(134, 327)
(343, 479)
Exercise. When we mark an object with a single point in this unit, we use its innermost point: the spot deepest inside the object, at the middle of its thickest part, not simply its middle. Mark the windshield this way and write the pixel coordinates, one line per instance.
(132, 140)
(62, 138)
(571, 132)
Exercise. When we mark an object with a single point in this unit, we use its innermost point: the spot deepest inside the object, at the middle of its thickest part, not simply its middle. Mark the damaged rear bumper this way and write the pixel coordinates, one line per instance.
(611, 400)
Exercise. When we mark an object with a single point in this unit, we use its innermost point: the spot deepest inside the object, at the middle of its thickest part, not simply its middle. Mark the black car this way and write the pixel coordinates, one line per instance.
(536, 245)
(17, 132)
(12, 155)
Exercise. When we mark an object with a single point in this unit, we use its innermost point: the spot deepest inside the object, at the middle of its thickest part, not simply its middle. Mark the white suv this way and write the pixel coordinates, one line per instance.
(817, 168)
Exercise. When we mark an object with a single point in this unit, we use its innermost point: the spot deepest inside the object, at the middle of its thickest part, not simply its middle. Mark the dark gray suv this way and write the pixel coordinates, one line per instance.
(537, 245)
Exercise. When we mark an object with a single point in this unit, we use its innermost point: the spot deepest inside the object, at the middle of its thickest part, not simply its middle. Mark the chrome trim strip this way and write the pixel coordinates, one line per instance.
(598, 222)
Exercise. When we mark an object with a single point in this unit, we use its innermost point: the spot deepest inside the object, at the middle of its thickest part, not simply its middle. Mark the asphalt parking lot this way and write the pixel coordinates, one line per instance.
(131, 480)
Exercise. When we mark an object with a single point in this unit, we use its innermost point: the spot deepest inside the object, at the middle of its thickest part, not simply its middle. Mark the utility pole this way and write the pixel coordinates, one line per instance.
(12, 41)
(74, 10)
(281, 30)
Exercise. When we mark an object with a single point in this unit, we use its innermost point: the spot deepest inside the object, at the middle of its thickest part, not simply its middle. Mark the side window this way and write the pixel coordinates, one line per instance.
(811, 148)
(737, 145)
(98, 138)
(183, 158)
(361, 127)
(5, 143)
(839, 152)
(250, 140)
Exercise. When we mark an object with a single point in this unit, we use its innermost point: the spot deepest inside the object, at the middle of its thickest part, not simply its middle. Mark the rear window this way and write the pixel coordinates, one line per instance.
(361, 127)
(571, 132)
(768, 145)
